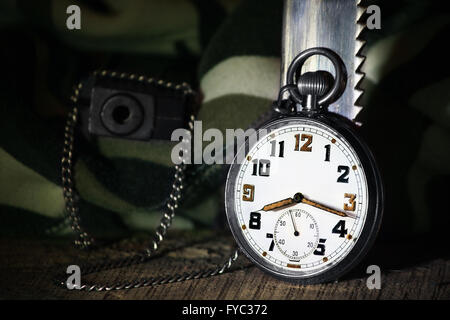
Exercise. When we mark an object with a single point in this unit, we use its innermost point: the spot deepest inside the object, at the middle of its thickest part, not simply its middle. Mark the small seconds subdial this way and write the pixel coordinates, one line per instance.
(296, 234)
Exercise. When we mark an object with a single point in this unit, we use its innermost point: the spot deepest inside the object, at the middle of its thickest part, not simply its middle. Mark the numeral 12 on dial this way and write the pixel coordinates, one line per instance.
(306, 146)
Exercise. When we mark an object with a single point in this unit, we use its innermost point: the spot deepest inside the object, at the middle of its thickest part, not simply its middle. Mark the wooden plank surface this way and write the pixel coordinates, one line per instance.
(29, 266)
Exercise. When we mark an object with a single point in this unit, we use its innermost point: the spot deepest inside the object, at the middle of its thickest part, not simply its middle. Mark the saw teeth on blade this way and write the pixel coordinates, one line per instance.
(358, 94)
(359, 76)
(359, 60)
(360, 9)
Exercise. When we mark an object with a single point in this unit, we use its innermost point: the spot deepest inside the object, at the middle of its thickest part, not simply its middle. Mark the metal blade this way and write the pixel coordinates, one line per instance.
(333, 24)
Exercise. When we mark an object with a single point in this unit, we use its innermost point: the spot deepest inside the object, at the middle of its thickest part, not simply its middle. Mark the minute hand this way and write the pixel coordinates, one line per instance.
(301, 198)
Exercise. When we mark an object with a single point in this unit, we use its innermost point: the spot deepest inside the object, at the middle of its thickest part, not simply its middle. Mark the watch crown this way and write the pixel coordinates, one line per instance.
(316, 83)
(312, 86)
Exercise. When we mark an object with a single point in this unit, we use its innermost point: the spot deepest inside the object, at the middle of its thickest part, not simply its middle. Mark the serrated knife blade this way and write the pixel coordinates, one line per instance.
(334, 24)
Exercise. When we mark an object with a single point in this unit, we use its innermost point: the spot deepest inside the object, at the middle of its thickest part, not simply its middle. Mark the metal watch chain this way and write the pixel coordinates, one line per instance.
(85, 241)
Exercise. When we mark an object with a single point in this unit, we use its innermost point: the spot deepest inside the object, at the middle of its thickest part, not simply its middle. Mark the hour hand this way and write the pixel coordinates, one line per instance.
(279, 204)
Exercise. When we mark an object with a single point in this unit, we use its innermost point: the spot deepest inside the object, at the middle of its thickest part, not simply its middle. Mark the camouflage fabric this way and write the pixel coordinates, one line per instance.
(230, 52)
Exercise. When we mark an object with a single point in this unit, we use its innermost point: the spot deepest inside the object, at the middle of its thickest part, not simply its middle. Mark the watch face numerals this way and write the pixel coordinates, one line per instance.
(274, 148)
(248, 192)
(307, 145)
(261, 168)
(343, 178)
(339, 228)
(255, 221)
(327, 152)
(304, 220)
(320, 250)
(351, 205)
(272, 243)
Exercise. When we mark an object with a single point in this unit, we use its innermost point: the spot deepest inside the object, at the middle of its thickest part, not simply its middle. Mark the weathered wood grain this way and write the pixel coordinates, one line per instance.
(29, 265)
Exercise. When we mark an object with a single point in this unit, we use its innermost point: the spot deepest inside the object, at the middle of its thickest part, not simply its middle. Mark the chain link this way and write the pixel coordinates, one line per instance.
(85, 241)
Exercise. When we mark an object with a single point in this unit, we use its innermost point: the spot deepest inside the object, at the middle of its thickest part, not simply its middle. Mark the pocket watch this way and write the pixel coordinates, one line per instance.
(305, 203)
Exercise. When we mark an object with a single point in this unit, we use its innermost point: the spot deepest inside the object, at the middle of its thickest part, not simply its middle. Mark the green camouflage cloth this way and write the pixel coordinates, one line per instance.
(230, 52)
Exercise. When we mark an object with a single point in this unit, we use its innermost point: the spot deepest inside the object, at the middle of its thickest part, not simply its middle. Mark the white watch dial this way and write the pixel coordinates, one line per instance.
(300, 198)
